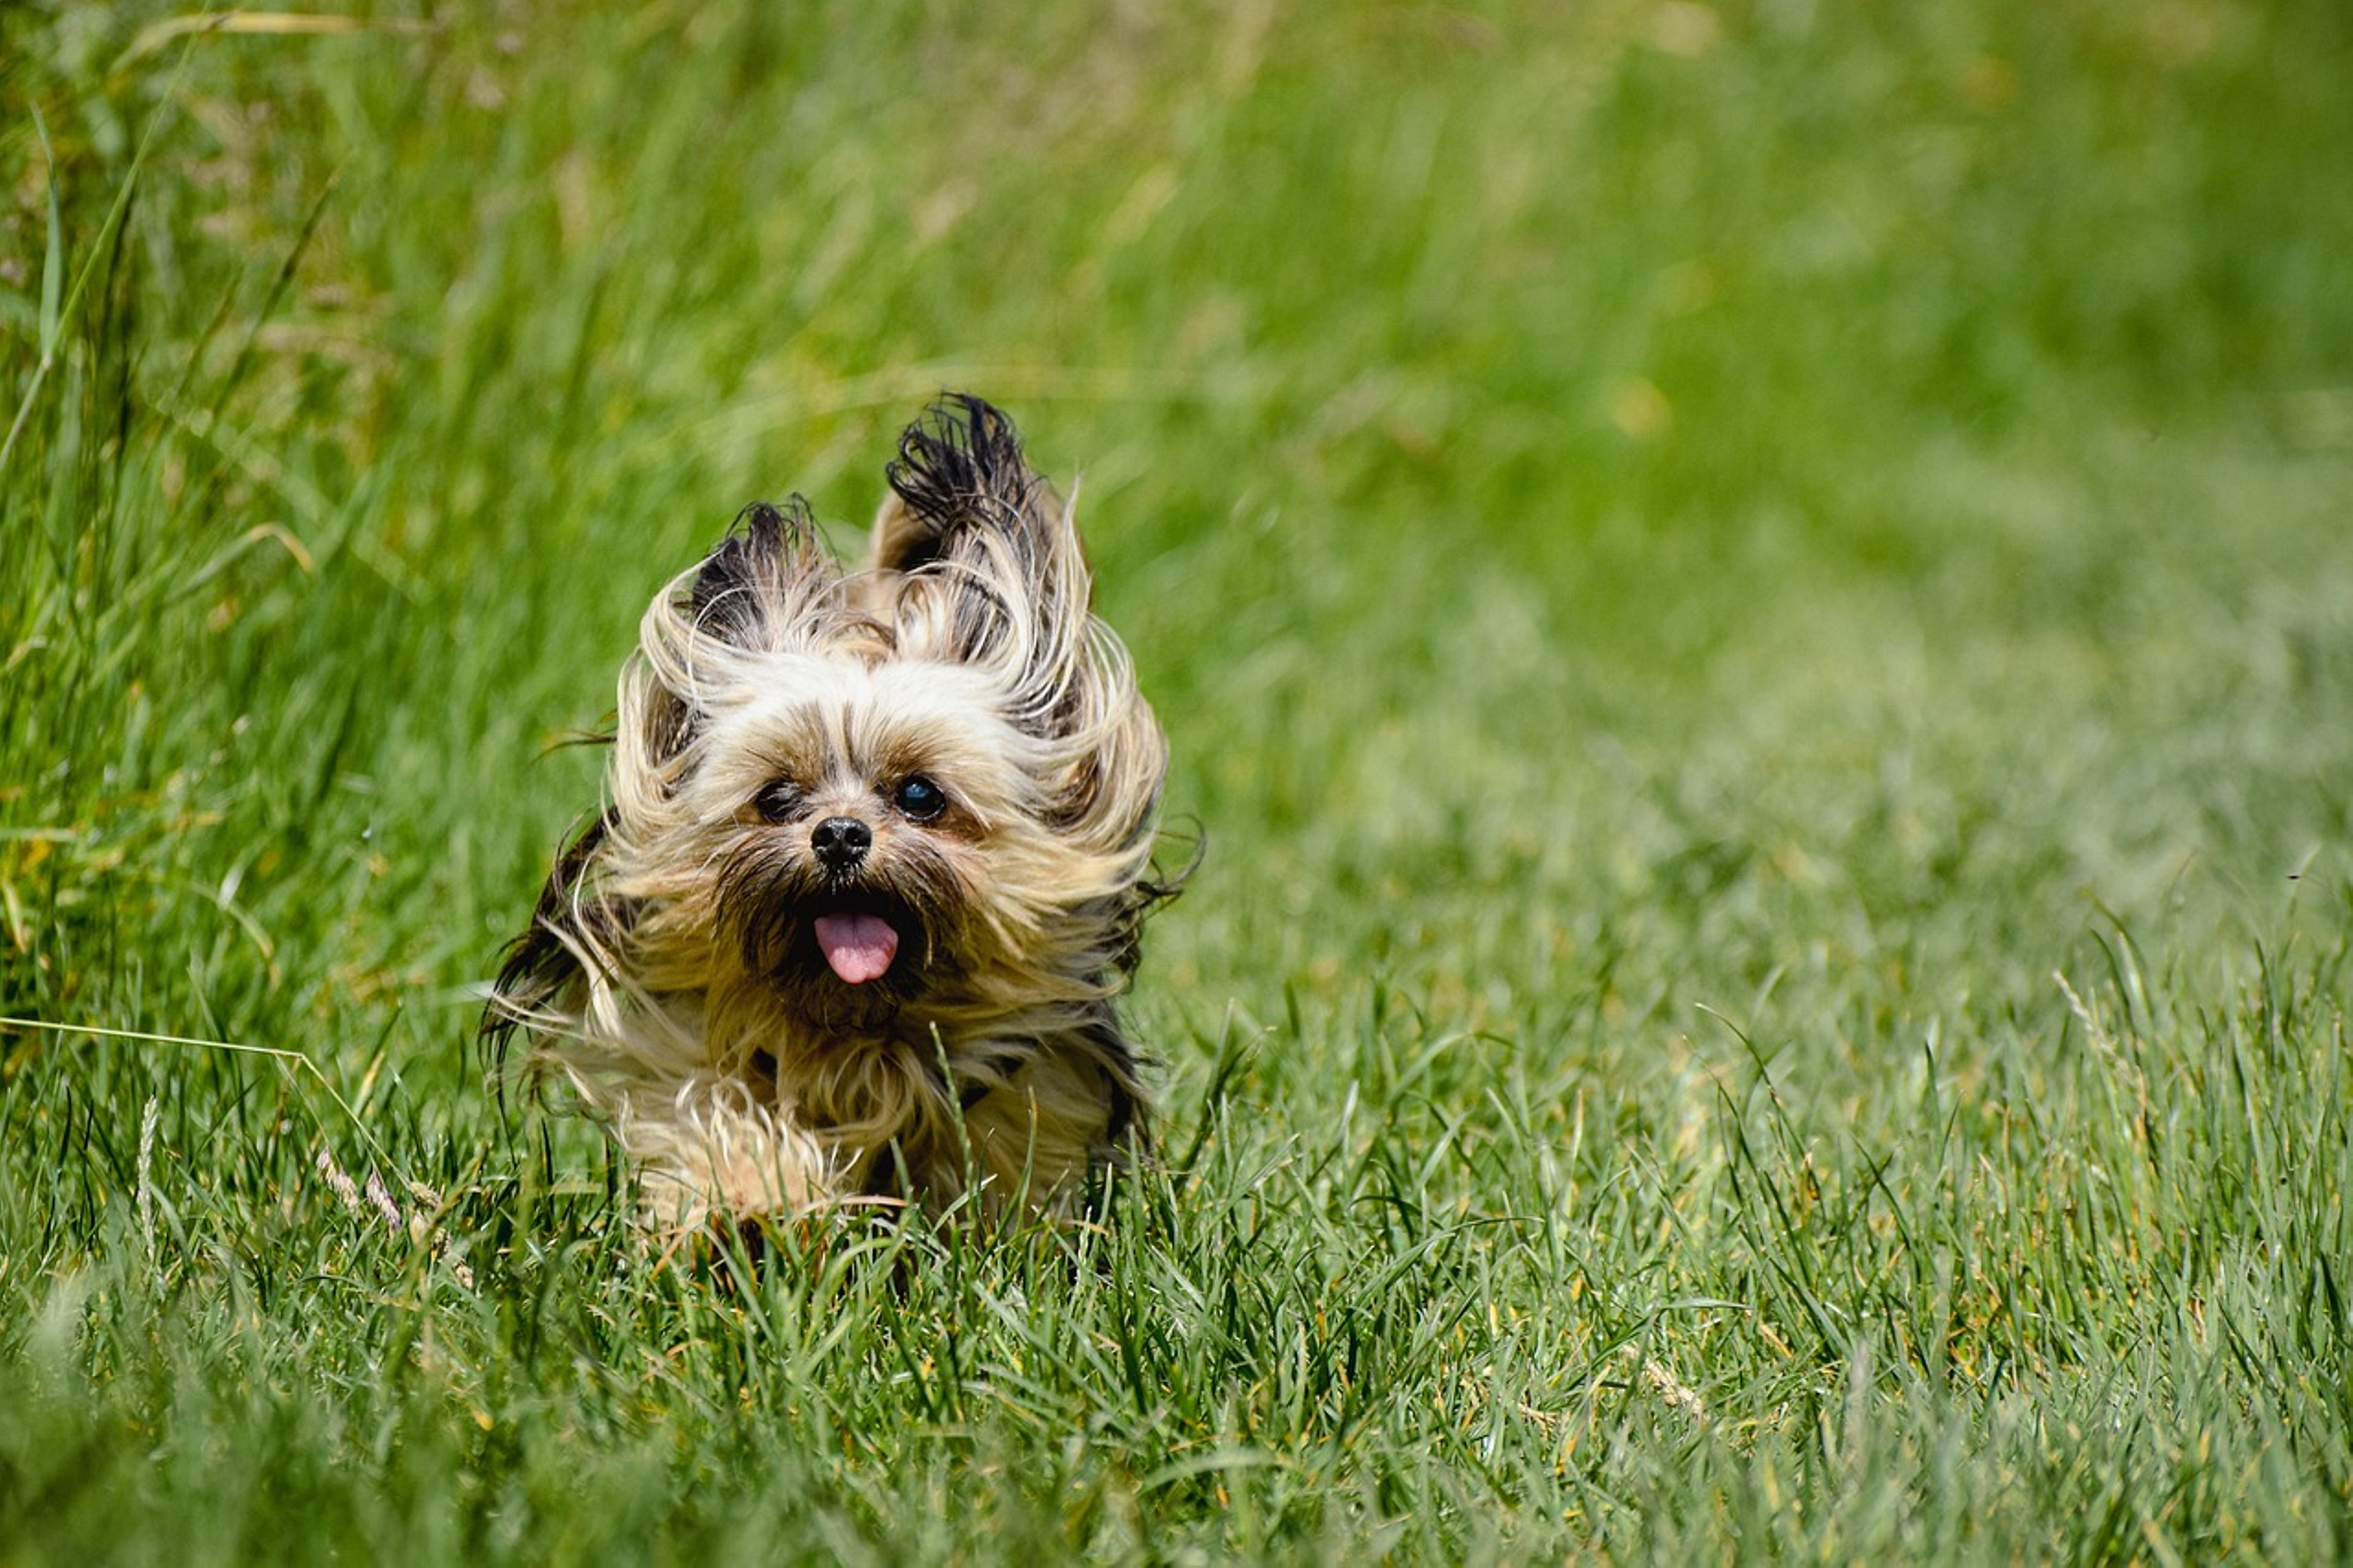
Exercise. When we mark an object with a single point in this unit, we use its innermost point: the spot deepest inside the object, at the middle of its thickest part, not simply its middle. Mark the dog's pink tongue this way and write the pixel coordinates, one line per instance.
(859, 947)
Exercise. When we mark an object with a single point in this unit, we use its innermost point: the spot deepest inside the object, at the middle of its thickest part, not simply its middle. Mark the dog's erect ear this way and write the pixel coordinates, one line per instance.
(967, 514)
(959, 470)
(754, 590)
(764, 589)
(966, 510)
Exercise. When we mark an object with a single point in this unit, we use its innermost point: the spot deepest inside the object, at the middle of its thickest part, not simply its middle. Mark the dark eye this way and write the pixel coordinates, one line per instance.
(779, 800)
(919, 798)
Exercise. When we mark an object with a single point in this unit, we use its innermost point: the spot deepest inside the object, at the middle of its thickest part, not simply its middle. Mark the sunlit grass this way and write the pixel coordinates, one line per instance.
(1751, 603)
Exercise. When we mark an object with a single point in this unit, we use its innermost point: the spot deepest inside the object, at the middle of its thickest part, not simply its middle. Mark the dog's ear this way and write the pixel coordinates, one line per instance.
(754, 590)
(1013, 600)
(763, 589)
(960, 471)
(904, 538)
(1012, 584)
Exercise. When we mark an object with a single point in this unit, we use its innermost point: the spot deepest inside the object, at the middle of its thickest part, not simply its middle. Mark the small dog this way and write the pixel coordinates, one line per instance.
(875, 856)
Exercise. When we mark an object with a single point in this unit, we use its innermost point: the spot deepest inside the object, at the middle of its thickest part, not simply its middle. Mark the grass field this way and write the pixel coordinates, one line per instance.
(1754, 603)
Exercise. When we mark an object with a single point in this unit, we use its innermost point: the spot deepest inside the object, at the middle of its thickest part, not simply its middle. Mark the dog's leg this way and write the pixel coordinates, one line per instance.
(708, 1155)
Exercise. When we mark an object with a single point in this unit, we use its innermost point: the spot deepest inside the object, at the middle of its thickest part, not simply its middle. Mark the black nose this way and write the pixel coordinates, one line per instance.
(841, 843)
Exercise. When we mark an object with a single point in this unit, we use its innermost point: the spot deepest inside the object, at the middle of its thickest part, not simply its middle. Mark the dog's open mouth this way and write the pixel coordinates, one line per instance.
(862, 935)
(858, 945)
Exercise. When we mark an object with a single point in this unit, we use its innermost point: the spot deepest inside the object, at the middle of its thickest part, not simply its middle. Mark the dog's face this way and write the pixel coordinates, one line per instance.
(928, 784)
(872, 833)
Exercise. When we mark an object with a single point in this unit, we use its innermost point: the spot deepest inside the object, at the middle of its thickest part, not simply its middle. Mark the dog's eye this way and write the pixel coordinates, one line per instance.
(919, 798)
(779, 800)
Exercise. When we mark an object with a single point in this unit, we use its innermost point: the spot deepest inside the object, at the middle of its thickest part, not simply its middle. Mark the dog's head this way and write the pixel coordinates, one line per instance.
(927, 784)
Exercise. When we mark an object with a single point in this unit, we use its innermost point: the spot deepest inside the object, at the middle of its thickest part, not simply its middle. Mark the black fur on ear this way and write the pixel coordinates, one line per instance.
(1012, 590)
(960, 466)
(747, 586)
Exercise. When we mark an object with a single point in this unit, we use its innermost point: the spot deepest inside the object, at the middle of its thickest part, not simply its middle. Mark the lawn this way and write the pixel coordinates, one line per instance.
(1754, 604)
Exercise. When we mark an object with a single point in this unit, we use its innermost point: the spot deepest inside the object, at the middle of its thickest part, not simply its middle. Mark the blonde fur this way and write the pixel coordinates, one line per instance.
(671, 977)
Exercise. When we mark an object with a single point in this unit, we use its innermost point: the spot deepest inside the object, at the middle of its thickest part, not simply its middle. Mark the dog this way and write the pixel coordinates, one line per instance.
(874, 857)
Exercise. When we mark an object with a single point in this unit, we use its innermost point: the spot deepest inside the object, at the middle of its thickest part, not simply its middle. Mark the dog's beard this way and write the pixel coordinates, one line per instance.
(848, 954)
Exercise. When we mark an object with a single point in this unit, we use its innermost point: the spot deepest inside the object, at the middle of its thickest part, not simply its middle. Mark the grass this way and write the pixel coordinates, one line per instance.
(1752, 600)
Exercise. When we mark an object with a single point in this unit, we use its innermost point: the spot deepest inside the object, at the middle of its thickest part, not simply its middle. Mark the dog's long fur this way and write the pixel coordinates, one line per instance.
(672, 972)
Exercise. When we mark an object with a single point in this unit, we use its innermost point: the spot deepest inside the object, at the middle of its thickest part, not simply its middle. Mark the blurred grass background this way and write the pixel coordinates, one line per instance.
(1693, 557)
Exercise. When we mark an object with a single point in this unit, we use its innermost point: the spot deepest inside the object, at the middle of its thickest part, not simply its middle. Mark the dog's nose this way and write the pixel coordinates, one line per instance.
(841, 843)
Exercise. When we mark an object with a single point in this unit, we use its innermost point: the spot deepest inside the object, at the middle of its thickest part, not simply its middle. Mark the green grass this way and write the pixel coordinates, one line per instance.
(1754, 602)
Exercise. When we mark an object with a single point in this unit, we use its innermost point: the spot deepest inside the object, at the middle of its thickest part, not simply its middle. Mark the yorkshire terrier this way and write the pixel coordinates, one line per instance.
(875, 855)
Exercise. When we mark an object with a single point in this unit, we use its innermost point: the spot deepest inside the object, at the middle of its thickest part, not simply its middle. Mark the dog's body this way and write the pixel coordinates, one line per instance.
(875, 855)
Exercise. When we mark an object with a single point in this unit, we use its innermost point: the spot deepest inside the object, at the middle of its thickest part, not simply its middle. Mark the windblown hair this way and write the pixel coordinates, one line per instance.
(871, 868)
